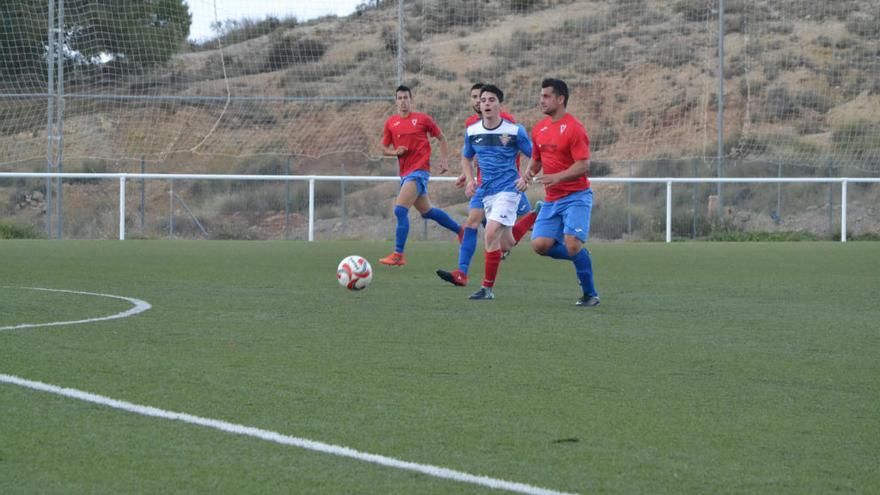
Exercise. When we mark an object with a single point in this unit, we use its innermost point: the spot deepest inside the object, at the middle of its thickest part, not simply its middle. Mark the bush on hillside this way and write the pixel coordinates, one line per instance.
(289, 50)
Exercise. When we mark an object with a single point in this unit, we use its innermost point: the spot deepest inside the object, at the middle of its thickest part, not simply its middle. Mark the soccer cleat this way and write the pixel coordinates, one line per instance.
(586, 300)
(393, 259)
(461, 234)
(484, 294)
(505, 254)
(538, 205)
(456, 277)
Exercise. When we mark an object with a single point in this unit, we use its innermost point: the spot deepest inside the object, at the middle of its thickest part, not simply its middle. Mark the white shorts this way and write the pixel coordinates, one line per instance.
(501, 207)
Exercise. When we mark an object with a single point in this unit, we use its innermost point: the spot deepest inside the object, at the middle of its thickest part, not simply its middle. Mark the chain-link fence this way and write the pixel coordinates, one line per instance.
(700, 88)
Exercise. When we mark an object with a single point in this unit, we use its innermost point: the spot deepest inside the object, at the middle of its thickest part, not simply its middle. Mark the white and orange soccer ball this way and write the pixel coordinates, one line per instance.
(354, 273)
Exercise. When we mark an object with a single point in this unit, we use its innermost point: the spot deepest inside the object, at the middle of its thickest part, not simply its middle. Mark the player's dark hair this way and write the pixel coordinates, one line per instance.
(495, 90)
(559, 88)
(403, 88)
(477, 86)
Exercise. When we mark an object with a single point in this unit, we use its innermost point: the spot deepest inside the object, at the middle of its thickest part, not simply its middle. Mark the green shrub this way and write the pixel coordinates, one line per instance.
(523, 5)
(694, 10)
(13, 230)
(864, 25)
(288, 50)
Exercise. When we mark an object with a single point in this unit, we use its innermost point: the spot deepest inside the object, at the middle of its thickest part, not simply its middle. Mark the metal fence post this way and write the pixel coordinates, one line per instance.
(171, 210)
(843, 210)
(669, 211)
(121, 207)
(400, 52)
(720, 157)
(311, 210)
(143, 196)
(287, 202)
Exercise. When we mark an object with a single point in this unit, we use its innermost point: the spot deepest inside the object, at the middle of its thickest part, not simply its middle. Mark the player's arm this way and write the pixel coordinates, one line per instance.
(388, 148)
(468, 156)
(528, 175)
(577, 170)
(444, 153)
(467, 169)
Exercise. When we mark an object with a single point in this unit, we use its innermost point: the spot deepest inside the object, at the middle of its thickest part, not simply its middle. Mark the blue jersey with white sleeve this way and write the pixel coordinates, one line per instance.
(496, 151)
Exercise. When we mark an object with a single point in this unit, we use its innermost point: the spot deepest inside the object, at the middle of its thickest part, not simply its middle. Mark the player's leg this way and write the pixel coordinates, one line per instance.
(547, 230)
(576, 220)
(501, 214)
(468, 246)
(406, 197)
(527, 217)
(423, 204)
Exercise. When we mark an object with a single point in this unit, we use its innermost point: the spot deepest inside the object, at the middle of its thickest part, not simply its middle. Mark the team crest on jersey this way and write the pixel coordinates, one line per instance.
(562, 128)
(414, 121)
(504, 139)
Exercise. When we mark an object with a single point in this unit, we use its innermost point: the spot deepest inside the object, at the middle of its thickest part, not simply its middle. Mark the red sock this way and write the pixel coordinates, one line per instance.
(493, 259)
(524, 225)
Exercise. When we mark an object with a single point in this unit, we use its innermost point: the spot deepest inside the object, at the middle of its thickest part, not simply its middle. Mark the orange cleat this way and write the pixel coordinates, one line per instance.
(460, 234)
(393, 259)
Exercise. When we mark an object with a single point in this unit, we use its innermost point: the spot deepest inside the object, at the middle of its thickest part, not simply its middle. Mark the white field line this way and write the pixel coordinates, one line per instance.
(139, 307)
(271, 436)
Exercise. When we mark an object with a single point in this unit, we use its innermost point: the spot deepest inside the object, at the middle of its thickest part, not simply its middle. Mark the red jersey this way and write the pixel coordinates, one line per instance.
(557, 145)
(473, 119)
(411, 132)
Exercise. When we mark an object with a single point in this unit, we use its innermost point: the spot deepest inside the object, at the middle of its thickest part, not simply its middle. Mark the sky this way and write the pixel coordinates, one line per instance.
(203, 11)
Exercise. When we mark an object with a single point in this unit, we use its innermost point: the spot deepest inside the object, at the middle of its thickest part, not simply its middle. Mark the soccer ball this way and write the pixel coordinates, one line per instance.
(354, 273)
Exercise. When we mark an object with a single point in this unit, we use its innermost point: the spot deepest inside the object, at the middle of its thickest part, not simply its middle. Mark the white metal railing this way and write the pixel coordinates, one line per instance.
(669, 181)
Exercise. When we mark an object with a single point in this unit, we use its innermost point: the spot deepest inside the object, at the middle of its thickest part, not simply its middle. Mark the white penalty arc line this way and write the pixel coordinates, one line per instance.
(139, 307)
(271, 436)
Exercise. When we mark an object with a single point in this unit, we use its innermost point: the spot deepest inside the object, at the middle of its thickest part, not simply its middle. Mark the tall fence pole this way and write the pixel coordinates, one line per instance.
(720, 157)
(50, 113)
(59, 108)
(400, 51)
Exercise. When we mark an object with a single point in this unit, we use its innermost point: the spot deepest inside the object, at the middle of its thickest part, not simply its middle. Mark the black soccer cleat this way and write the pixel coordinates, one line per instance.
(587, 301)
(484, 294)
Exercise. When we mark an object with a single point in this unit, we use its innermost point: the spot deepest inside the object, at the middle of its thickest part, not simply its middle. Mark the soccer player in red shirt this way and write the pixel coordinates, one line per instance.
(406, 136)
(476, 213)
(562, 148)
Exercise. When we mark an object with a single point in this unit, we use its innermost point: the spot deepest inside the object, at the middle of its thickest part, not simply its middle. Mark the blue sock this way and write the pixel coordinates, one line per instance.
(583, 266)
(402, 215)
(468, 246)
(440, 216)
(559, 252)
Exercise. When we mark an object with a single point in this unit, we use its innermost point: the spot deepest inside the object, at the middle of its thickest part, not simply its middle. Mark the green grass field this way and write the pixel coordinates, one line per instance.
(709, 368)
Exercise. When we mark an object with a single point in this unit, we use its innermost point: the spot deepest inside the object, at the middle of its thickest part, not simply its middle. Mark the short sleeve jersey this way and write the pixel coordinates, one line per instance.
(496, 151)
(557, 145)
(411, 132)
(473, 119)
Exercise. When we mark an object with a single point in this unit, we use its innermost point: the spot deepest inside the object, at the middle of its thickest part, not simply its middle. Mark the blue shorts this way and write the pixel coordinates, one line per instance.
(420, 177)
(565, 216)
(521, 209)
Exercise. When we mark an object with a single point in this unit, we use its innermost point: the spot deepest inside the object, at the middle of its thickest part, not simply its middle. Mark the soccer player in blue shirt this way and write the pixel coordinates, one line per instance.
(495, 142)
(476, 214)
